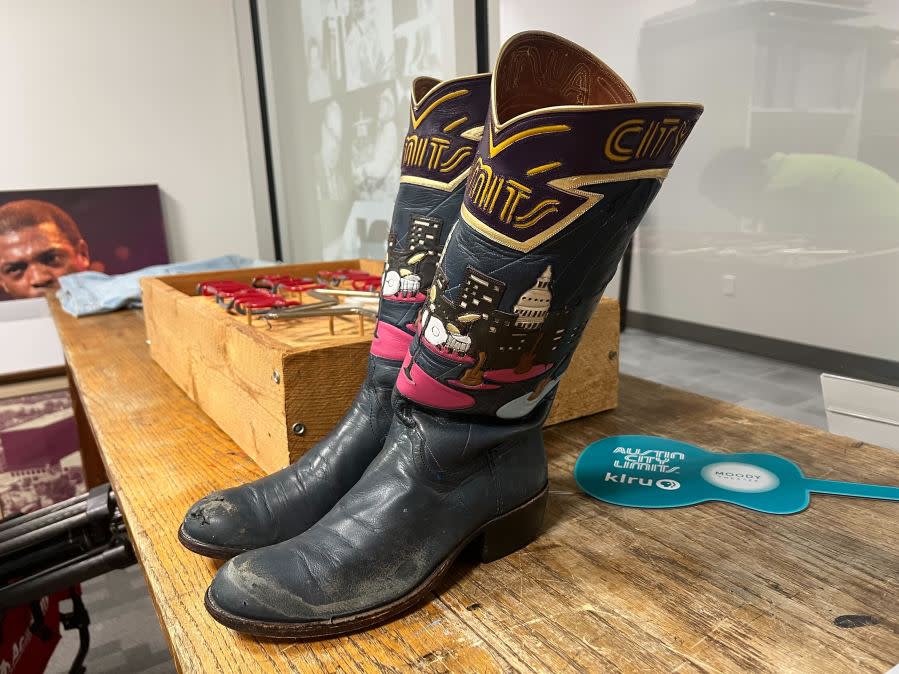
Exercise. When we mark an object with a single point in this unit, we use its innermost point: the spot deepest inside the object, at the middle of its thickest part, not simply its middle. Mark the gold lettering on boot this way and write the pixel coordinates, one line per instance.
(485, 187)
(637, 139)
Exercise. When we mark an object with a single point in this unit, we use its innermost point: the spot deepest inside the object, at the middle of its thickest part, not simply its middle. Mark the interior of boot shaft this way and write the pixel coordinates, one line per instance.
(540, 71)
(422, 86)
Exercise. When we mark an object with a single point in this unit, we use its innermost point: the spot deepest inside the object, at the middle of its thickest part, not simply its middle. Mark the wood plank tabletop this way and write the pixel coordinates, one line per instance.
(712, 587)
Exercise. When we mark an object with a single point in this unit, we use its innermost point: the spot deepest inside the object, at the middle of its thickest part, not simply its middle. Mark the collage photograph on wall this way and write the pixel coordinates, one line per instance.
(39, 460)
(361, 57)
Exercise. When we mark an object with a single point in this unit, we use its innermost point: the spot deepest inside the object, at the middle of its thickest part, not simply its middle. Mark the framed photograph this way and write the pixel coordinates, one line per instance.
(45, 234)
(39, 460)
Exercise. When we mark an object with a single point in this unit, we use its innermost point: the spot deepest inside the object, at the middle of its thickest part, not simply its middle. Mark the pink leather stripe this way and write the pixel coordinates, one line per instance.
(424, 389)
(390, 342)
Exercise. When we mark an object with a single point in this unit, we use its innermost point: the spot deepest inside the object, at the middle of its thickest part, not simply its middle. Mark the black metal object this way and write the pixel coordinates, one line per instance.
(65, 574)
(78, 619)
(57, 547)
(482, 36)
(266, 131)
(17, 520)
(60, 546)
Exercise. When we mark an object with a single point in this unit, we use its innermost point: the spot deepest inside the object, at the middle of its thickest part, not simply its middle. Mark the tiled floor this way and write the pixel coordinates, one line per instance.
(125, 636)
(770, 386)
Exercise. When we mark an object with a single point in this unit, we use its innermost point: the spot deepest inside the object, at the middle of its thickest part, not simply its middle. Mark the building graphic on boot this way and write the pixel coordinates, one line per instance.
(499, 347)
(409, 271)
(445, 124)
(552, 199)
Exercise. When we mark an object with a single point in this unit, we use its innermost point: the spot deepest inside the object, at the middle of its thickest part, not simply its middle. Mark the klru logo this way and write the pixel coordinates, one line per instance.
(763, 482)
(624, 478)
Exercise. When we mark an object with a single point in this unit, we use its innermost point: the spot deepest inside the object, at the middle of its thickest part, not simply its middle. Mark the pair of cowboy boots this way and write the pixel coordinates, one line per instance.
(504, 235)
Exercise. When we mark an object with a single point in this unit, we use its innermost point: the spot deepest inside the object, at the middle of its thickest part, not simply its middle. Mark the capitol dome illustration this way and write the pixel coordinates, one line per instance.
(533, 305)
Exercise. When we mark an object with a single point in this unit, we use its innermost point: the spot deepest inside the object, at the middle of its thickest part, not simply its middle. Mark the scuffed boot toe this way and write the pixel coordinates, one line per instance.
(220, 525)
(292, 590)
(249, 594)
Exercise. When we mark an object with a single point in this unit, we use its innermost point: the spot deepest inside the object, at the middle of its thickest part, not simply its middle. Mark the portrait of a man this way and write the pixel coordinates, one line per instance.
(39, 242)
(46, 234)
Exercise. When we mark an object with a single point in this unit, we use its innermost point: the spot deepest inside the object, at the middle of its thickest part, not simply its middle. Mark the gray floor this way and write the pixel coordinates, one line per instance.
(125, 636)
(761, 384)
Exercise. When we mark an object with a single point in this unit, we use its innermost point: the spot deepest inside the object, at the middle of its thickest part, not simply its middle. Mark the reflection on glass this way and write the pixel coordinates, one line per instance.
(360, 58)
(810, 195)
(331, 184)
(422, 40)
(368, 44)
(782, 218)
(375, 165)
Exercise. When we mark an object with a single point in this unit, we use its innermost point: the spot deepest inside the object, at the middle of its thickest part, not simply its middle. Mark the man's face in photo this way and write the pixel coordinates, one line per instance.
(33, 258)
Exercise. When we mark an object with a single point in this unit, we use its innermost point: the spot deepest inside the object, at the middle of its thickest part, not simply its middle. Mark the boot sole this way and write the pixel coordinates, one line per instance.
(497, 538)
(207, 549)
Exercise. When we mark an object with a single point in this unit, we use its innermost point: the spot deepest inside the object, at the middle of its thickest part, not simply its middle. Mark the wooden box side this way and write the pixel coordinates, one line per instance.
(590, 384)
(319, 387)
(226, 367)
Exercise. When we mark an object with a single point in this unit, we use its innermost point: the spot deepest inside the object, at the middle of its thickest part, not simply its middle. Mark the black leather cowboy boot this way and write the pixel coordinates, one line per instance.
(446, 124)
(567, 167)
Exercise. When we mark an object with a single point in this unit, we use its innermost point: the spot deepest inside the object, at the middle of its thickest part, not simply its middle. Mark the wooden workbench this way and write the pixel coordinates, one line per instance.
(712, 587)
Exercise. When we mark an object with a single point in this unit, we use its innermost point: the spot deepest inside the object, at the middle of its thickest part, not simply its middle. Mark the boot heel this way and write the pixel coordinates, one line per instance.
(512, 531)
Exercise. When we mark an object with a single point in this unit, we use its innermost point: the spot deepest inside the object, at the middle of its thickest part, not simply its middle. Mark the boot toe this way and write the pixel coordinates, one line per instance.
(221, 520)
(248, 588)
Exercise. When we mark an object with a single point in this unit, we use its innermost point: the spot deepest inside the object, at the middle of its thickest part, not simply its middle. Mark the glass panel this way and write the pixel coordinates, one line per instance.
(781, 217)
(340, 73)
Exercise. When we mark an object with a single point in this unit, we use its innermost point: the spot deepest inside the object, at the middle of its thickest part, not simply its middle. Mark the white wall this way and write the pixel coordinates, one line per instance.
(829, 289)
(113, 92)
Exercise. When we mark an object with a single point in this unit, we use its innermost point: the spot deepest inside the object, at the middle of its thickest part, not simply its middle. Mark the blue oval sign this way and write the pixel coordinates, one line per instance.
(645, 471)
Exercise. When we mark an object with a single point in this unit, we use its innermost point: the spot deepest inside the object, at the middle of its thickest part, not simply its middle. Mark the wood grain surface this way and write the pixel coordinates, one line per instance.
(706, 588)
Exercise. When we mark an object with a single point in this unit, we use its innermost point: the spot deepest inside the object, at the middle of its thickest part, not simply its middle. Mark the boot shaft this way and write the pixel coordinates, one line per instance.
(567, 166)
(445, 124)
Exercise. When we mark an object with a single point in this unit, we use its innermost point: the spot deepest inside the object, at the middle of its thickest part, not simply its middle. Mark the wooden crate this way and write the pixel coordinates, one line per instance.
(590, 384)
(257, 382)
